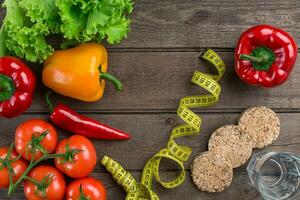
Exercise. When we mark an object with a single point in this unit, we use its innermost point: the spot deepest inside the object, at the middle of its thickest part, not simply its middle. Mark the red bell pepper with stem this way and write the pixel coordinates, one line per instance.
(17, 83)
(265, 56)
(68, 119)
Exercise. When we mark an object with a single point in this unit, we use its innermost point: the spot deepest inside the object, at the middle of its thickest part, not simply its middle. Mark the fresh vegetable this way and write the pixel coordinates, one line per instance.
(265, 56)
(76, 72)
(17, 83)
(10, 163)
(35, 138)
(66, 118)
(85, 20)
(79, 163)
(86, 188)
(28, 22)
(22, 37)
(44, 182)
(67, 155)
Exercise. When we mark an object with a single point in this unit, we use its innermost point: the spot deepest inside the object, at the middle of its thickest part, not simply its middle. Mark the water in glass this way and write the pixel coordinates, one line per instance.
(276, 175)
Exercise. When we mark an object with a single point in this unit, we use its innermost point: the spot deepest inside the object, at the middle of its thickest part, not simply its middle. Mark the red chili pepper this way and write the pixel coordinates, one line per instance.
(70, 120)
(265, 56)
(17, 83)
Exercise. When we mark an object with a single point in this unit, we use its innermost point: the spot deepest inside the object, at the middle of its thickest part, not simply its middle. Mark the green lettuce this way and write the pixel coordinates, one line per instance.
(28, 22)
(22, 37)
(3, 48)
(95, 20)
(43, 12)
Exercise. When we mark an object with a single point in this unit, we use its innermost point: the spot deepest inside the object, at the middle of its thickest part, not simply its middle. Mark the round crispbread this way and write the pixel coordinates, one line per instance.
(211, 172)
(231, 142)
(261, 124)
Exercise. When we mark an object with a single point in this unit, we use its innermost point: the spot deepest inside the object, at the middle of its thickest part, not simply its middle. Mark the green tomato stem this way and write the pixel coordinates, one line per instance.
(82, 195)
(32, 164)
(35, 143)
(35, 182)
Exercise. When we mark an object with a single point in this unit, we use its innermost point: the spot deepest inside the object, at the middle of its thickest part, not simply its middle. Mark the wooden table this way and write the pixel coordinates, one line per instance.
(155, 63)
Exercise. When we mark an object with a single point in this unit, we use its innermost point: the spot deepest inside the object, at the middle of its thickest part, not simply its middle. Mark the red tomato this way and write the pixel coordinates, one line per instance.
(76, 165)
(50, 180)
(18, 166)
(91, 189)
(27, 136)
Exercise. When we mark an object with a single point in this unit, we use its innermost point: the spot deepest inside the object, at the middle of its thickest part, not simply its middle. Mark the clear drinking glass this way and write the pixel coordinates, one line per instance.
(276, 175)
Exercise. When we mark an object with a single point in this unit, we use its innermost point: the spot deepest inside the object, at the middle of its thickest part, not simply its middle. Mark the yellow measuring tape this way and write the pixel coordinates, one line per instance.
(173, 151)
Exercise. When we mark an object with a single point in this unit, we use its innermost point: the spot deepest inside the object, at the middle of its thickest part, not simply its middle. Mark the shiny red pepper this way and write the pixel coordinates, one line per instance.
(265, 56)
(17, 83)
(68, 119)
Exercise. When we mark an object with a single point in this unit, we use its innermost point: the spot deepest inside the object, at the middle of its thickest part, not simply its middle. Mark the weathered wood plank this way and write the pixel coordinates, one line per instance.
(151, 132)
(240, 188)
(214, 23)
(202, 23)
(157, 80)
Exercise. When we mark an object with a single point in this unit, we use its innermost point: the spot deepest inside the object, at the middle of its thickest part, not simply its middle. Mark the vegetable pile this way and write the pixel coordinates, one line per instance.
(36, 141)
(29, 22)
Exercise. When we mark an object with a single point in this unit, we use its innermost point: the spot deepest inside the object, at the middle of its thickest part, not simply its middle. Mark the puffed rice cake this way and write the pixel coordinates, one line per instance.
(230, 141)
(211, 172)
(261, 124)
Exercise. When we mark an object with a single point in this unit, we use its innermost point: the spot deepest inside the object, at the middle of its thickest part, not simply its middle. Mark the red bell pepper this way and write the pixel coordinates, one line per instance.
(68, 119)
(17, 83)
(265, 56)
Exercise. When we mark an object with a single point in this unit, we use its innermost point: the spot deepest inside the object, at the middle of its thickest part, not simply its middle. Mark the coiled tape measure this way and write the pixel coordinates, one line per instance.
(173, 151)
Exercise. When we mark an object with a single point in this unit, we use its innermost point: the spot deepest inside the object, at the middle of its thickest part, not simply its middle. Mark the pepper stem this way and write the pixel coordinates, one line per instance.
(118, 84)
(261, 58)
(252, 58)
(7, 87)
(50, 105)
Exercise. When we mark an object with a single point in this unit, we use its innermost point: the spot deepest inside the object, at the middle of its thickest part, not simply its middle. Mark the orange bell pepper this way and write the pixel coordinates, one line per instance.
(79, 72)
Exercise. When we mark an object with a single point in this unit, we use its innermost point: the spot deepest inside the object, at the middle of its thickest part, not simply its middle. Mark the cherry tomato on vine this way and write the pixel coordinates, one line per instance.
(86, 188)
(36, 137)
(80, 159)
(9, 159)
(45, 183)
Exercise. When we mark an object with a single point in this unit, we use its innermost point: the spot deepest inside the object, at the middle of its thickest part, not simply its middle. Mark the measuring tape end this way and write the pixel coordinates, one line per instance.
(105, 160)
(204, 52)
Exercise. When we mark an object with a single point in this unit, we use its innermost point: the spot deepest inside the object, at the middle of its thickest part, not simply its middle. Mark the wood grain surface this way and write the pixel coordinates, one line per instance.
(202, 23)
(155, 63)
(158, 80)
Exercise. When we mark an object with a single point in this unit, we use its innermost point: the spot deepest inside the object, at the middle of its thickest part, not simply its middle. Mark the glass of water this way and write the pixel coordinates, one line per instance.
(276, 175)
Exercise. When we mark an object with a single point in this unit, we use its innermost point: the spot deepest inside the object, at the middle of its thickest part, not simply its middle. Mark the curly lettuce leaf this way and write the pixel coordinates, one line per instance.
(95, 20)
(22, 37)
(73, 18)
(3, 48)
(117, 31)
(28, 22)
(29, 42)
(43, 12)
(14, 14)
